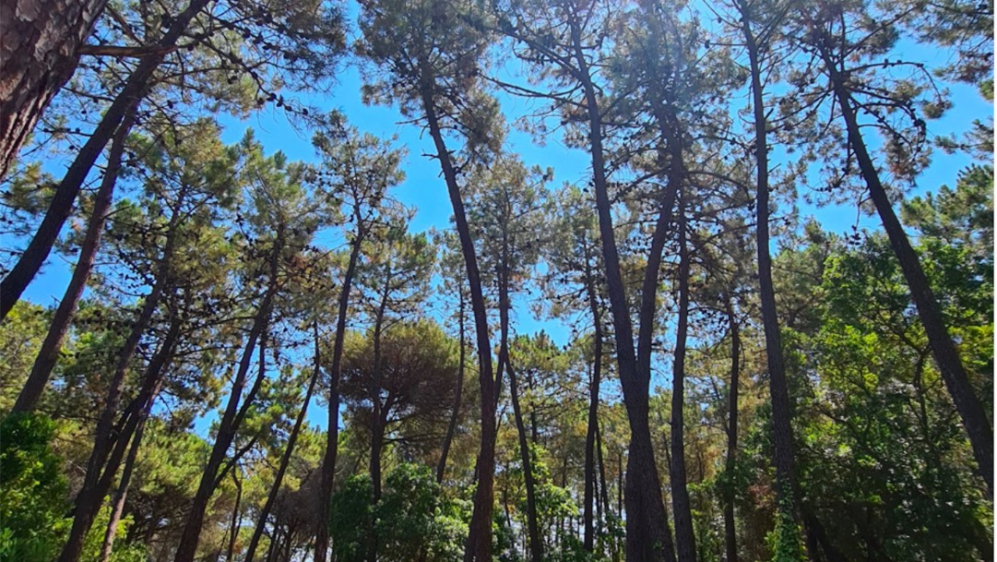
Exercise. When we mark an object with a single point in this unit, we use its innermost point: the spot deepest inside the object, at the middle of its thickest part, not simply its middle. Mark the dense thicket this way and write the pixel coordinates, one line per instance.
(660, 354)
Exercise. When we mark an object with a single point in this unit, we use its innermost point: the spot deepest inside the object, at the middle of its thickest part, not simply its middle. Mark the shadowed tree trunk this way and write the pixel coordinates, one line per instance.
(730, 528)
(974, 418)
(51, 347)
(39, 53)
(588, 540)
(685, 539)
(133, 91)
(332, 434)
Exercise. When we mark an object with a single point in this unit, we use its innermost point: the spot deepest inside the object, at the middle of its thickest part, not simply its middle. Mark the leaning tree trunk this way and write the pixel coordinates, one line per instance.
(973, 415)
(39, 53)
(285, 459)
(134, 90)
(685, 539)
(479, 540)
(51, 347)
(332, 433)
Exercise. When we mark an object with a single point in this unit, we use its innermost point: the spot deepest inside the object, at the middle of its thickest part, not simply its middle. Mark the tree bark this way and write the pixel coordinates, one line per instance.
(285, 459)
(51, 347)
(376, 427)
(233, 534)
(39, 53)
(685, 539)
(533, 524)
(479, 541)
(971, 411)
(133, 91)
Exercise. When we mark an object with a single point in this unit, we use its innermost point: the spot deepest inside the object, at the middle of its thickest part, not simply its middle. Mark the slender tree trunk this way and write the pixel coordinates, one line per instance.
(332, 433)
(685, 539)
(49, 352)
(134, 90)
(233, 534)
(118, 507)
(234, 414)
(285, 459)
(455, 416)
(39, 53)
(603, 486)
(588, 540)
(90, 495)
(971, 411)
(376, 427)
(96, 484)
(730, 528)
(479, 544)
(536, 540)
(782, 428)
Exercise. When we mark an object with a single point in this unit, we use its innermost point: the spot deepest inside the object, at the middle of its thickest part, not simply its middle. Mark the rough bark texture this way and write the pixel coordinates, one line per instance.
(134, 89)
(40, 44)
(946, 355)
(685, 540)
(51, 347)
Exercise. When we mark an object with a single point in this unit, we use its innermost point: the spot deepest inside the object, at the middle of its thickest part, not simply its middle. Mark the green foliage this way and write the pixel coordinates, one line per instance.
(33, 491)
(414, 519)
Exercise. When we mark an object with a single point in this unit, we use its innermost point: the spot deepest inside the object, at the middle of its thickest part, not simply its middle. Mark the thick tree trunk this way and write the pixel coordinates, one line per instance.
(588, 539)
(974, 418)
(285, 458)
(232, 418)
(332, 433)
(51, 347)
(133, 91)
(39, 53)
(455, 416)
(730, 528)
(479, 541)
(685, 539)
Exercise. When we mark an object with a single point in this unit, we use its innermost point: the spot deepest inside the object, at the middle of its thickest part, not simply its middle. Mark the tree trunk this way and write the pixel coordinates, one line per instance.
(782, 428)
(233, 533)
(121, 496)
(588, 540)
(730, 528)
(376, 427)
(96, 484)
(332, 433)
(946, 355)
(285, 458)
(479, 541)
(648, 537)
(533, 524)
(49, 352)
(39, 53)
(685, 539)
(90, 496)
(455, 416)
(134, 90)
(233, 415)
